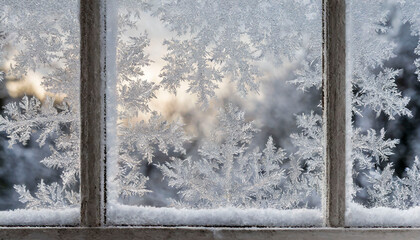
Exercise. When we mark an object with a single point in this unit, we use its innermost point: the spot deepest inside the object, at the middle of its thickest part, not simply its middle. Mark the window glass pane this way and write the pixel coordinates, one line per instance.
(39, 122)
(219, 118)
(383, 67)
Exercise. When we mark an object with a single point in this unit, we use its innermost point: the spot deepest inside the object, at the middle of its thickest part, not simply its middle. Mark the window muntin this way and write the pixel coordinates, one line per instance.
(39, 54)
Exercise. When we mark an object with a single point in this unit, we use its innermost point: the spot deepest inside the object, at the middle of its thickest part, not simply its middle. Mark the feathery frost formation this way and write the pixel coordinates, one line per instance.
(213, 41)
(374, 87)
(44, 36)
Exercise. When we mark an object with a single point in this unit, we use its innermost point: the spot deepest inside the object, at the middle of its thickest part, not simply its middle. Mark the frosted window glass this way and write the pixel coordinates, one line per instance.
(383, 67)
(39, 122)
(219, 117)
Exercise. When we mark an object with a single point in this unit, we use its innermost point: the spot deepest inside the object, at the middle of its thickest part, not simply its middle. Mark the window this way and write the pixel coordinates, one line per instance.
(214, 113)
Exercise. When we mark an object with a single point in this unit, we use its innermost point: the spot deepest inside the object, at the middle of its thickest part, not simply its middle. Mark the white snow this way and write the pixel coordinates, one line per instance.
(359, 216)
(229, 216)
(68, 216)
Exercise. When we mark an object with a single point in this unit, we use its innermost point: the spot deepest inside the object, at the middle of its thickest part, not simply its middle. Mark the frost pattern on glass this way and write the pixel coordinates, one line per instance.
(217, 153)
(226, 173)
(372, 27)
(42, 38)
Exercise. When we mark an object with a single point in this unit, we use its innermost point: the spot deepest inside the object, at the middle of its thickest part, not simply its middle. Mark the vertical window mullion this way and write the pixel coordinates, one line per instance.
(92, 105)
(334, 104)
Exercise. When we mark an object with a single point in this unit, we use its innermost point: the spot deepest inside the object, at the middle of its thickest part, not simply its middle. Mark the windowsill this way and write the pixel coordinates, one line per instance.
(201, 233)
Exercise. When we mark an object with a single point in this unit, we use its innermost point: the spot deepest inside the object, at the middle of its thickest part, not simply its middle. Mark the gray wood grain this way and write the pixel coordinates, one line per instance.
(92, 88)
(334, 107)
(185, 233)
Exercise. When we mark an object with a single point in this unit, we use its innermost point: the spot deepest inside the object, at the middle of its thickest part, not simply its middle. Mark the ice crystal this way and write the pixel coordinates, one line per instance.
(227, 172)
(139, 141)
(370, 149)
(47, 196)
(227, 39)
(20, 122)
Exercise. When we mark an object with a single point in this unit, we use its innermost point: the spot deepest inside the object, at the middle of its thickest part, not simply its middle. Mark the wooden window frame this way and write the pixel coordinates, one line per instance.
(93, 81)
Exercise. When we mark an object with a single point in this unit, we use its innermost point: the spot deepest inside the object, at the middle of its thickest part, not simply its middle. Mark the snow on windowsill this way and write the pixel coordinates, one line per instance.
(134, 215)
(359, 216)
(69, 216)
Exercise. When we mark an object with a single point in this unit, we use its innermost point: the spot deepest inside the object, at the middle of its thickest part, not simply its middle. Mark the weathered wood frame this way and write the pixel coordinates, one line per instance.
(92, 111)
(93, 84)
(334, 109)
(187, 233)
